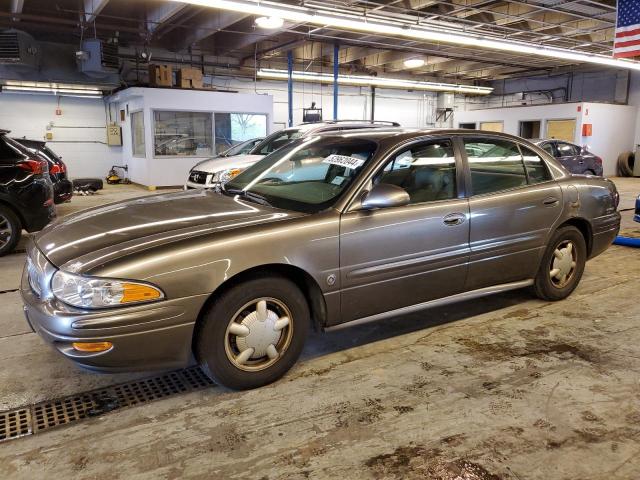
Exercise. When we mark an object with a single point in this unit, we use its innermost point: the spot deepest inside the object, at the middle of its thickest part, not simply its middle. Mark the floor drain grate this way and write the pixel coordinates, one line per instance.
(53, 413)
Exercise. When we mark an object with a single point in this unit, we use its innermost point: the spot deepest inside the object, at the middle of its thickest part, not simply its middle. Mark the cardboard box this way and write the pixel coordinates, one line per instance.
(188, 77)
(160, 75)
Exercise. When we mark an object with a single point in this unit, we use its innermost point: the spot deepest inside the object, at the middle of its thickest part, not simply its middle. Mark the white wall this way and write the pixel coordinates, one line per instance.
(79, 134)
(172, 171)
(613, 126)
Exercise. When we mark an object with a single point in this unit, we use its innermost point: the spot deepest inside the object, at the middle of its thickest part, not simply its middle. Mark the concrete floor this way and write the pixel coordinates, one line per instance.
(505, 387)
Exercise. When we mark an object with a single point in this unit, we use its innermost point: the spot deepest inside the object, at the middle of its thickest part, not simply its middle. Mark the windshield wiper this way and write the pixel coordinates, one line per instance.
(251, 196)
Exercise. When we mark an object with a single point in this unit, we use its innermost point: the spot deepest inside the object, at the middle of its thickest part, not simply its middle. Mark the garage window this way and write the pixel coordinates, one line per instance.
(183, 134)
(233, 128)
(137, 134)
(495, 165)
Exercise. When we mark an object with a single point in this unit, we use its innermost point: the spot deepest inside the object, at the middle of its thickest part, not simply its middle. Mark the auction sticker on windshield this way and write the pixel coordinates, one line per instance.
(344, 161)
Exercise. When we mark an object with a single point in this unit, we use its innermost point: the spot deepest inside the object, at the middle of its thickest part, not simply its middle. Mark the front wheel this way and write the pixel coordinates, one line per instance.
(562, 265)
(254, 333)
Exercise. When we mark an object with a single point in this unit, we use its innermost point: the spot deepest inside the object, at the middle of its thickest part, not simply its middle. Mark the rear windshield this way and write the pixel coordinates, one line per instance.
(11, 150)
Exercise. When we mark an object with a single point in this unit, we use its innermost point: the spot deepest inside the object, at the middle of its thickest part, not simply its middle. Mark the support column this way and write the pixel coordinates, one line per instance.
(373, 103)
(290, 85)
(336, 49)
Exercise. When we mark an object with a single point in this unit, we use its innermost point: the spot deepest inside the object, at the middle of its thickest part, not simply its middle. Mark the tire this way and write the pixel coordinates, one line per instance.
(10, 230)
(222, 349)
(553, 288)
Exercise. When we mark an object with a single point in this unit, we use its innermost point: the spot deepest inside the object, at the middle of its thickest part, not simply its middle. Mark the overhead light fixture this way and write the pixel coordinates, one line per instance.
(17, 86)
(270, 23)
(414, 63)
(325, 17)
(361, 80)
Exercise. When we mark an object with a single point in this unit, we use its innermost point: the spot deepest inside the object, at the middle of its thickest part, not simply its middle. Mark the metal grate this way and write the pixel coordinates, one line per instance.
(9, 47)
(15, 424)
(54, 413)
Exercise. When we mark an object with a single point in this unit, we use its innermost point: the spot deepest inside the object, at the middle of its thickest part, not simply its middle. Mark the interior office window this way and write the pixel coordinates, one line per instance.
(427, 171)
(137, 134)
(495, 165)
(183, 134)
(233, 128)
(536, 168)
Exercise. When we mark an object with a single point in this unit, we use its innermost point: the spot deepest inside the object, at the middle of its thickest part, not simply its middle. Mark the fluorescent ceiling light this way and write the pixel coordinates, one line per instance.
(51, 88)
(403, 29)
(361, 80)
(269, 22)
(414, 63)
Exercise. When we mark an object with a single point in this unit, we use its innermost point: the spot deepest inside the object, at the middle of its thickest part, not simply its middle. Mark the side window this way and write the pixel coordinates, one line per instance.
(567, 150)
(536, 168)
(495, 165)
(427, 171)
(548, 147)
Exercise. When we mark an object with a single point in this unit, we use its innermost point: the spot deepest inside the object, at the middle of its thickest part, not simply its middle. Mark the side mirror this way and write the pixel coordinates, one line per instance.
(385, 195)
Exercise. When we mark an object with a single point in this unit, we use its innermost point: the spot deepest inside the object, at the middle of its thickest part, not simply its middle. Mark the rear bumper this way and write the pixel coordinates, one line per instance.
(144, 337)
(605, 230)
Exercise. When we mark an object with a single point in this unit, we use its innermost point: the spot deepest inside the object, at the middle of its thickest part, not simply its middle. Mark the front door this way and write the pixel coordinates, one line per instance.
(513, 205)
(395, 257)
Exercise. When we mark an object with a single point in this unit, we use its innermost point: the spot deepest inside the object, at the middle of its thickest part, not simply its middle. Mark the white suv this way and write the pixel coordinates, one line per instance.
(215, 172)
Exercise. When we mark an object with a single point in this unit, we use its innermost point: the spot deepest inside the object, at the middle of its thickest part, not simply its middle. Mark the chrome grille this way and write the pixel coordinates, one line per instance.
(198, 177)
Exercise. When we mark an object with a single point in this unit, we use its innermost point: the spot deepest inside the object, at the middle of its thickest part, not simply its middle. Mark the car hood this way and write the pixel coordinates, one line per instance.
(213, 165)
(146, 222)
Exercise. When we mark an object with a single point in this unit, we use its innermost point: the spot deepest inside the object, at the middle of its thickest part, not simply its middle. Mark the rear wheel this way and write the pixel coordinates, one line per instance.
(10, 230)
(254, 333)
(562, 265)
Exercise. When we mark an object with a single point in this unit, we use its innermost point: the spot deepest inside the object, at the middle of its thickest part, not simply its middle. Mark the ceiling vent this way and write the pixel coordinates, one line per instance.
(19, 49)
(98, 59)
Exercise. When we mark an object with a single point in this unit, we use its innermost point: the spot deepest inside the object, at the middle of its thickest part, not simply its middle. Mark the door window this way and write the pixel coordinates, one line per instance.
(495, 165)
(427, 171)
(567, 150)
(537, 170)
(548, 147)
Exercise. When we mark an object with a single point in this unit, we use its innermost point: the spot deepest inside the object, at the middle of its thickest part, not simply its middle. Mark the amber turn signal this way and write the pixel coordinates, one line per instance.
(92, 346)
(135, 292)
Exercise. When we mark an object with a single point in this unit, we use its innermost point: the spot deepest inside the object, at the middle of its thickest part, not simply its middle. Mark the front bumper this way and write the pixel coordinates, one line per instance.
(202, 186)
(144, 337)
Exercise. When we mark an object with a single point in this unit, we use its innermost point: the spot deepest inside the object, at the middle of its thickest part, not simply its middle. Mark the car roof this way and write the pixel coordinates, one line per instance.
(402, 134)
(31, 143)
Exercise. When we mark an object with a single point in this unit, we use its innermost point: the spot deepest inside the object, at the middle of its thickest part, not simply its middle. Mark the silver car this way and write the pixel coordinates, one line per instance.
(329, 230)
(215, 172)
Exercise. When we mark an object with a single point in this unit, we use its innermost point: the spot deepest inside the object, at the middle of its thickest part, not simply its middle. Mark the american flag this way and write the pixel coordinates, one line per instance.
(627, 41)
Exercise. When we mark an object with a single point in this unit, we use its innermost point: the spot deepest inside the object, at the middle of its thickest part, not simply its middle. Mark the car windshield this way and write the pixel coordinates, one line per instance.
(308, 175)
(239, 149)
(276, 140)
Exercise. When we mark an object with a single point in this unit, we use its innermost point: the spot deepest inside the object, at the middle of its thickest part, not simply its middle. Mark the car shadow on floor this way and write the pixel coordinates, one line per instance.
(323, 343)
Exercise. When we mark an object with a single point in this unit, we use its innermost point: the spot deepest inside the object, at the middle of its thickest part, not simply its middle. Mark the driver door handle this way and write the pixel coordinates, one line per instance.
(549, 201)
(454, 219)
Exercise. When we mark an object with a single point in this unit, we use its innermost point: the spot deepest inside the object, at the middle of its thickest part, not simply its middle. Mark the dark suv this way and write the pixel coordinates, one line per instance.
(62, 186)
(26, 192)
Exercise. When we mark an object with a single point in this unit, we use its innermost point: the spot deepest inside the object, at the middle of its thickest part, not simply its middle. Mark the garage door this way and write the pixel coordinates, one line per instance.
(492, 126)
(561, 129)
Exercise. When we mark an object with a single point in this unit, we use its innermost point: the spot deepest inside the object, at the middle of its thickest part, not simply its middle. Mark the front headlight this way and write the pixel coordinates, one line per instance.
(96, 292)
(226, 175)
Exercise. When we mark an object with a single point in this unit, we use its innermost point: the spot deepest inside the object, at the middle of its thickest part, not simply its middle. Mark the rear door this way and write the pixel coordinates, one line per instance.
(514, 203)
(395, 257)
